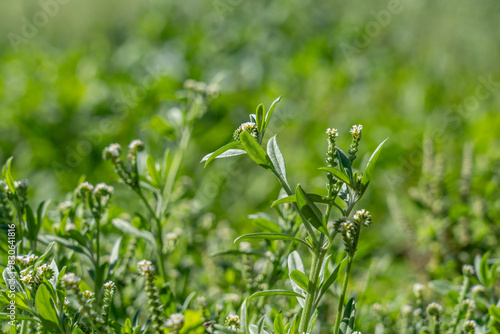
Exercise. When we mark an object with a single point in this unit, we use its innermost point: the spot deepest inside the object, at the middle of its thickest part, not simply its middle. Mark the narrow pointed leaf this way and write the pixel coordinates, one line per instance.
(230, 150)
(277, 158)
(269, 114)
(345, 162)
(310, 210)
(259, 115)
(271, 236)
(275, 293)
(370, 166)
(337, 174)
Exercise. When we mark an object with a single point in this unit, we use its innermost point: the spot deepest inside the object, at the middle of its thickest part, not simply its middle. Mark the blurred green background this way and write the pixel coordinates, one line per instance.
(78, 75)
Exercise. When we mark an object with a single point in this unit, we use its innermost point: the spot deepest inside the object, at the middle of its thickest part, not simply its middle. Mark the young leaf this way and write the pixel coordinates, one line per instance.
(8, 175)
(295, 264)
(278, 324)
(337, 174)
(301, 279)
(271, 236)
(310, 210)
(277, 159)
(230, 150)
(153, 173)
(331, 279)
(494, 311)
(244, 316)
(259, 115)
(254, 150)
(269, 114)
(344, 162)
(370, 166)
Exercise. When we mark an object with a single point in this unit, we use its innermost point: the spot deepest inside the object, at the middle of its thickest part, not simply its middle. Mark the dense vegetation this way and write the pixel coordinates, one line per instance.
(110, 223)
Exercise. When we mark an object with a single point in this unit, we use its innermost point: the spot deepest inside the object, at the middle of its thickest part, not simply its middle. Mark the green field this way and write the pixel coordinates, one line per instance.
(183, 78)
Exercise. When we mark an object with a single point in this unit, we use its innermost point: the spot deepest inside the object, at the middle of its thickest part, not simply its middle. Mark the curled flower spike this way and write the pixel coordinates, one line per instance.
(146, 267)
(470, 326)
(70, 280)
(250, 127)
(363, 217)
(356, 137)
(468, 270)
(136, 146)
(407, 310)
(468, 305)
(88, 294)
(418, 289)
(434, 310)
(478, 289)
(176, 321)
(112, 152)
(232, 322)
(83, 190)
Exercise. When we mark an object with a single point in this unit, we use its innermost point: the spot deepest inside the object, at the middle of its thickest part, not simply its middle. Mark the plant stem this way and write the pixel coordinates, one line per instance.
(158, 236)
(342, 296)
(312, 287)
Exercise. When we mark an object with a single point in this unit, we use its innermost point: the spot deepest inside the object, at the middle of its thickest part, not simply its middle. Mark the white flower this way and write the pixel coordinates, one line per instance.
(407, 310)
(476, 289)
(113, 151)
(109, 285)
(245, 247)
(332, 132)
(70, 279)
(356, 130)
(103, 189)
(468, 270)
(434, 309)
(418, 289)
(146, 267)
(136, 146)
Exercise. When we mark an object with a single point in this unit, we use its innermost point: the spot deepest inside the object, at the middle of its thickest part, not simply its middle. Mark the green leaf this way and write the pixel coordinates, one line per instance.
(6, 316)
(269, 114)
(277, 158)
(442, 286)
(115, 254)
(271, 236)
(244, 316)
(331, 279)
(8, 175)
(128, 228)
(163, 128)
(337, 174)
(275, 293)
(344, 162)
(299, 278)
(494, 311)
(235, 252)
(230, 150)
(339, 203)
(262, 222)
(254, 150)
(46, 307)
(153, 173)
(310, 210)
(278, 324)
(370, 166)
(31, 223)
(259, 115)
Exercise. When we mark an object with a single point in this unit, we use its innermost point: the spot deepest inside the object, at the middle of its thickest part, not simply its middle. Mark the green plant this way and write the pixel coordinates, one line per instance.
(345, 187)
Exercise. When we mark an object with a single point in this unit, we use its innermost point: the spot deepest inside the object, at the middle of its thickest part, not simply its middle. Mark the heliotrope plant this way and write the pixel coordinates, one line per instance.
(345, 187)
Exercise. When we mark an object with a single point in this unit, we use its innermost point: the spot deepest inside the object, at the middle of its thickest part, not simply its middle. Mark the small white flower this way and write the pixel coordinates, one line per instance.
(407, 310)
(470, 325)
(477, 289)
(245, 247)
(146, 267)
(468, 270)
(109, 285)
(176, 321)
(332, 132)
(434, 309)
(356, 130)
(113, 151)
(136, 146)
(70, 279)
(418, 289)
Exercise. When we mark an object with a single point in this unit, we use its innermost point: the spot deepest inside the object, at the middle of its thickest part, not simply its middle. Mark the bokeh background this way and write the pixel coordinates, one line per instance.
(78, 75)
